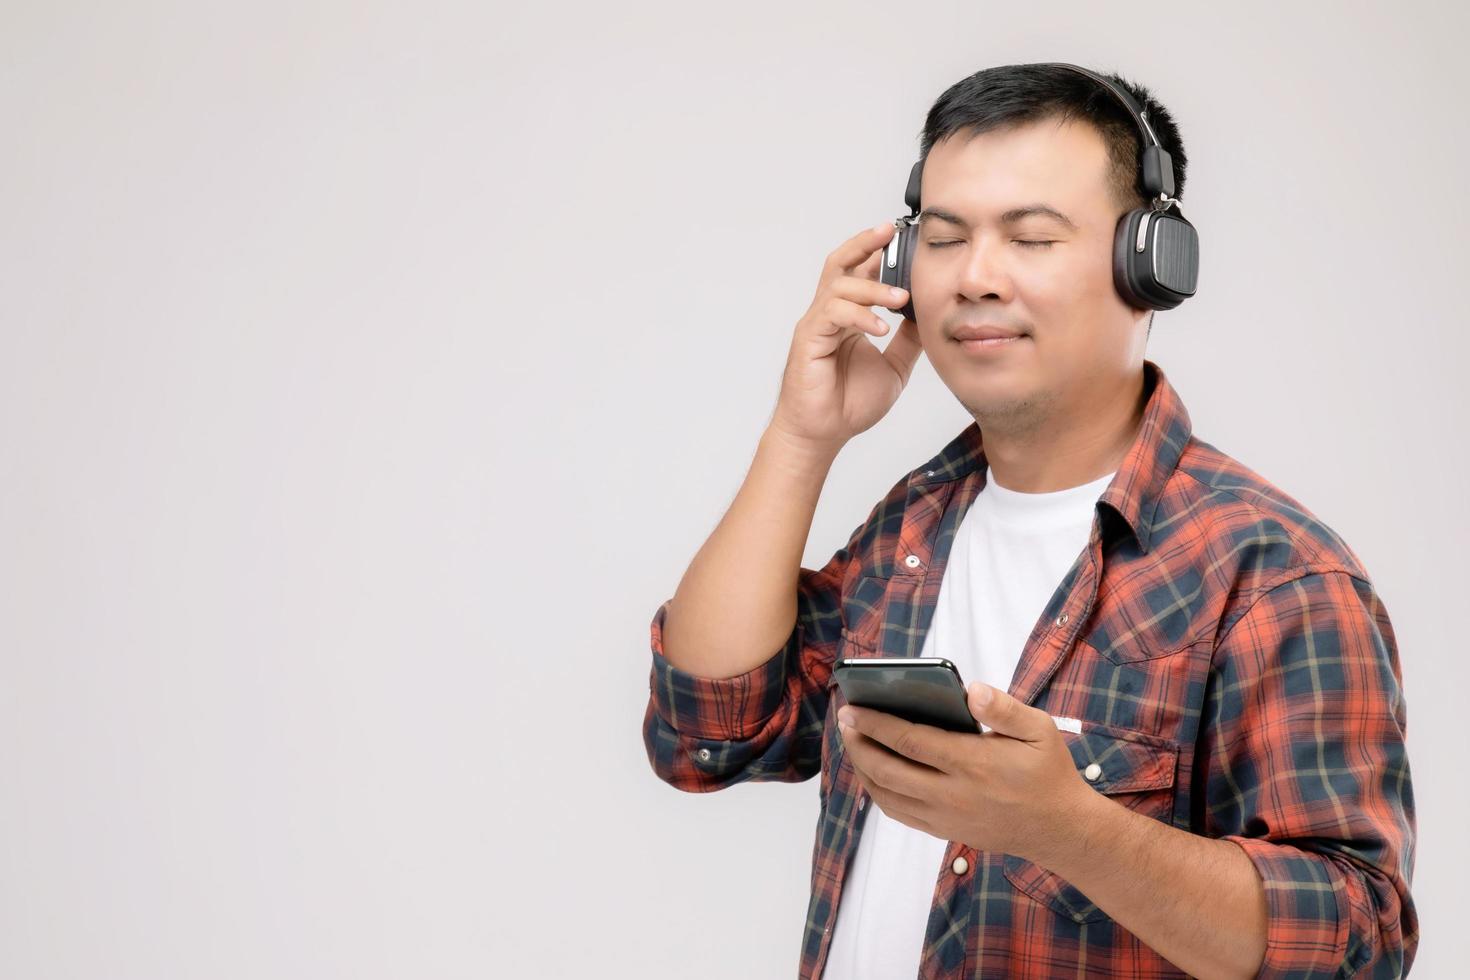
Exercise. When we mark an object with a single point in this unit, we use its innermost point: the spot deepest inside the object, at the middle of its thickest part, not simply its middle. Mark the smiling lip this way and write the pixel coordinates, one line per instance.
(984, 332)
(988, 344)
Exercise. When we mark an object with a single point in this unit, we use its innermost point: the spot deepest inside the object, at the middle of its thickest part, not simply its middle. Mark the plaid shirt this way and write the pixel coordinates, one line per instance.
(1235, 673)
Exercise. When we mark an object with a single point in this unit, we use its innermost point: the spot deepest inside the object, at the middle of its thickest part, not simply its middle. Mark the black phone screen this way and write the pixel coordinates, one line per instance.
(924, 690)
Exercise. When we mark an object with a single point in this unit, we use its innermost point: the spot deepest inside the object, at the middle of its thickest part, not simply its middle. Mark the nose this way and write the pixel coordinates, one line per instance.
(985, 272)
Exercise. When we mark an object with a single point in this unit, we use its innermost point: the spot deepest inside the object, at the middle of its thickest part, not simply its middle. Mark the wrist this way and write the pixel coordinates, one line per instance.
(803, 452)
(1082, 824)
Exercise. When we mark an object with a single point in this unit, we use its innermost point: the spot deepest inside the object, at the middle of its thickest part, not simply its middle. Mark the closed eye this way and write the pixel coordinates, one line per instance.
(1020, 241)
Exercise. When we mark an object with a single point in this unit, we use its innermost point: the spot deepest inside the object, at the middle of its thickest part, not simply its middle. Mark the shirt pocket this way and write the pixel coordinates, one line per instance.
(1133, 768)
(864, 605)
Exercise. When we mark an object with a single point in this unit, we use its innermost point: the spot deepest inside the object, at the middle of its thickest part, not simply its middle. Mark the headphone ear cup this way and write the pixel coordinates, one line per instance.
(1124, 239)
(909, 241)
(901, 249)
(1166, 271)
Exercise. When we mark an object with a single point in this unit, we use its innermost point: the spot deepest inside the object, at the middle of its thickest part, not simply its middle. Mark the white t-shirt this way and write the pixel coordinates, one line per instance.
(1011, 551)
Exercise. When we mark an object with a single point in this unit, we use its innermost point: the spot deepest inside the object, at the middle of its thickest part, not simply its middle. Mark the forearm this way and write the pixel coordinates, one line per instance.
(736, 603)
(1196, 901)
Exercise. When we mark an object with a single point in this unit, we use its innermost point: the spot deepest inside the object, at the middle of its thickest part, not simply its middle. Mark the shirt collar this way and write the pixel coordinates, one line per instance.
(1138, 485)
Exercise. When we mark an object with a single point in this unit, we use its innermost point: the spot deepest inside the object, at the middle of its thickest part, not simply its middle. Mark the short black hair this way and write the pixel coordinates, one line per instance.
(1013, 95)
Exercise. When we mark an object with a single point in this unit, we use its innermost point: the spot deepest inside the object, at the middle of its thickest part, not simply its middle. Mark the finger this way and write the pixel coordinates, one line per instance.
(838, 313)
(902, 808)
(885, 794)
(904, 349)
(1003, 713)
(868, 292)
(907, 817)
(925, 744)
(853, 252)
(887, 769)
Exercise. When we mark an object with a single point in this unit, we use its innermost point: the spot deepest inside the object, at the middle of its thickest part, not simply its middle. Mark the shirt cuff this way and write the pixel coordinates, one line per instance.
(1307, 913)
(720, 708)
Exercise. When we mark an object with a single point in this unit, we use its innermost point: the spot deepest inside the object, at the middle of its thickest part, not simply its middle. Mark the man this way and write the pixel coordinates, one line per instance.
(1193, 759)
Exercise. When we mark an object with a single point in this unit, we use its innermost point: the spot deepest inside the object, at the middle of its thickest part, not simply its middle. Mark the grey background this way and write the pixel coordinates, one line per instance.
(370, 372)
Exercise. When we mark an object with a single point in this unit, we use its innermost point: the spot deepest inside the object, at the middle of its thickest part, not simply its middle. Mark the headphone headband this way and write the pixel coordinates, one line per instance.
(1155, 164)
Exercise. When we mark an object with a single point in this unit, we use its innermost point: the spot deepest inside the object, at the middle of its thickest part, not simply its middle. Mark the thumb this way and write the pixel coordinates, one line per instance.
(996, 710)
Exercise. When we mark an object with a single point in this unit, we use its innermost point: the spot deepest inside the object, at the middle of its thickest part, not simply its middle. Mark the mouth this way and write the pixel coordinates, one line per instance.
(988, 345)
(984, 331)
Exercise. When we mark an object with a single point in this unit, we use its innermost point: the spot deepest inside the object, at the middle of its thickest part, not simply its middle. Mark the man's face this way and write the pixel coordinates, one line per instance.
(1080, 339)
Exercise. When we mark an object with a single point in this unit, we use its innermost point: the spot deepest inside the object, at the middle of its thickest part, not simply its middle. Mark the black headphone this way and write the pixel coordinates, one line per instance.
(1155, 250)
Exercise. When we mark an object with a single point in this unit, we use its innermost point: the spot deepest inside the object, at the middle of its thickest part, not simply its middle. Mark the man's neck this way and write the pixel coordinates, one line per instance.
(1069, 452)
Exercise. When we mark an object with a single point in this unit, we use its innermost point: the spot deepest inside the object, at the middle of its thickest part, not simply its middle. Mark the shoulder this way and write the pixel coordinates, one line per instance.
(1241, 534)
(1239, 505)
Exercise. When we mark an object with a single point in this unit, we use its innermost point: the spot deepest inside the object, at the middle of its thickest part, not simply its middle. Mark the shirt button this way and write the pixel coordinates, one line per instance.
(862, 802)
(912, 561)
(703, 755)
(1092, 771)
(960, 865)
(1062, 620)
(928, 472)
(1077, 917)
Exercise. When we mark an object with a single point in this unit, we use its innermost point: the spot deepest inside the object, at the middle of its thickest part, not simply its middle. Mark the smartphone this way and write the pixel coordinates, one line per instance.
(925, 690)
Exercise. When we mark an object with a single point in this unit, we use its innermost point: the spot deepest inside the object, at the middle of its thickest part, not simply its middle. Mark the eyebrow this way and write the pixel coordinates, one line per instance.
(1008, 218)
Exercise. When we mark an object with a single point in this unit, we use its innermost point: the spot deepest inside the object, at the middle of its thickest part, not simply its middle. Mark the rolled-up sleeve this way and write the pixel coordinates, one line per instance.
(1303, 738)
(704, 733)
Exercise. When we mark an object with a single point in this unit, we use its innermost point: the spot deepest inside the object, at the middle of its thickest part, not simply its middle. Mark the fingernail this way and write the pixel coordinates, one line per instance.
(896, 293)
(884, 226)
